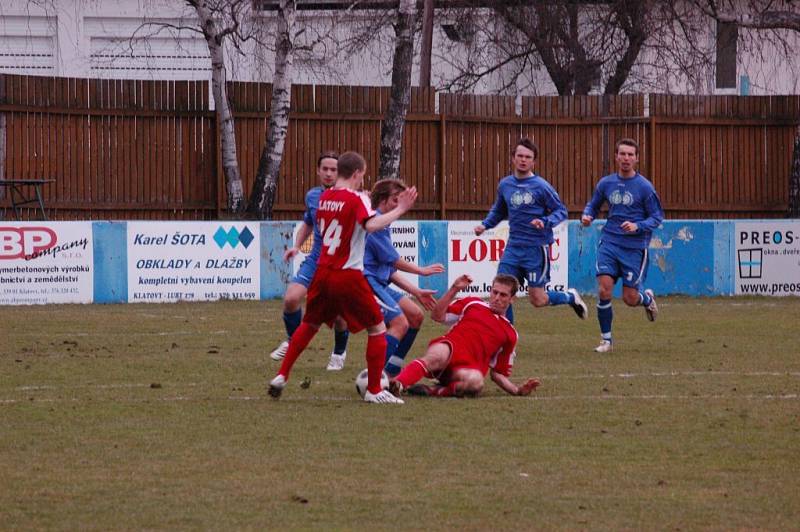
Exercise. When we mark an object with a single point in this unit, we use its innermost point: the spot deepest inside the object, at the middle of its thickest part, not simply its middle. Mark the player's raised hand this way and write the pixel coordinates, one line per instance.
(425, 298)
(537, 223)
(406, 199)
(432, 269)
(291, 252)
(586, 220)
(479, 229)
(462, 282)
(529, 386)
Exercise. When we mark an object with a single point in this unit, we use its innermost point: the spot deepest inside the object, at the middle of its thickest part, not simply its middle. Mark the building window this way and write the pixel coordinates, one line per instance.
(727, 37)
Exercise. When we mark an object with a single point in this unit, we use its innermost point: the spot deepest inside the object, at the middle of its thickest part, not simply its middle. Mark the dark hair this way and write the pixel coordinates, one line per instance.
(627, 142)
(385, 189)
(508, 280)
(525, 142)
(327, 155)
(349, 163)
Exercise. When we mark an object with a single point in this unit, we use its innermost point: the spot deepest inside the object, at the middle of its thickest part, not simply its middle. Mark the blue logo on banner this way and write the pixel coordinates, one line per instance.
(233, 236)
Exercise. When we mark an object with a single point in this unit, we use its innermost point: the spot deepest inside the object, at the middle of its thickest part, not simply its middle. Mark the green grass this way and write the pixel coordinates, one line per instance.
(156, 416)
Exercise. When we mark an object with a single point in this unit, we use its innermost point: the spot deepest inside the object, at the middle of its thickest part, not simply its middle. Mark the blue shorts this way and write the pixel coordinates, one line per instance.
(617, 261)
(306, 271)
(531, 266)
(387, 299)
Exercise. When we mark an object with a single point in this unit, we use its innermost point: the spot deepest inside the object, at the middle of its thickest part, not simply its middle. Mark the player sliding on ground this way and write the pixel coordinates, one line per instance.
(339, 287)
(481, 339)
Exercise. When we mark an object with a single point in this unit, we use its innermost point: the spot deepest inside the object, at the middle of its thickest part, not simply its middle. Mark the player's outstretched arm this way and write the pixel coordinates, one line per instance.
(512, 389)
(409, 267)
(424, 296)
(302, 235)
(405, 200)
(439, 312)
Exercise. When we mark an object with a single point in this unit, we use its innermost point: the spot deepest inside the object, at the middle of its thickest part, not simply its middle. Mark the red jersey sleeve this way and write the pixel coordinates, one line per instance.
(363, 208)
(503, 362)
(456, 308)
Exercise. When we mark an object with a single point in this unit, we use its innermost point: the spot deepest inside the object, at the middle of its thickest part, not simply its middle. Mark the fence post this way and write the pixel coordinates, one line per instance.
(442, 168)
(651, 151)
(2, 134)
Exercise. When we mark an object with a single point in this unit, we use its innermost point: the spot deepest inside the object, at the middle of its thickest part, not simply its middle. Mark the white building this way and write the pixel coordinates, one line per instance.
(137, 39)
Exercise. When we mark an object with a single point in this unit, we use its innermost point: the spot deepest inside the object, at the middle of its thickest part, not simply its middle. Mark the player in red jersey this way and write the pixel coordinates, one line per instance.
(339, 288)
(481, 339)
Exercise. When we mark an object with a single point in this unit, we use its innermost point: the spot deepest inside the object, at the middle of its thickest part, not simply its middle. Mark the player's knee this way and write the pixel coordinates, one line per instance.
(471, 383)
(631, 299)
(415, 319)
(339, 324)
(291, 303)
(538, 300)
(398, 326)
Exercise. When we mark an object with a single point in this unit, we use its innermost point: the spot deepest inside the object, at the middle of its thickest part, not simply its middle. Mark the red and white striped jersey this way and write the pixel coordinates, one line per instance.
(341, 216)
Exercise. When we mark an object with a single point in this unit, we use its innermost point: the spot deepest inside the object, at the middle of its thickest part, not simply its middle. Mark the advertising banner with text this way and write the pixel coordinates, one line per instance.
(478, 257)
(44, 262)
(767, 258)
(192, 261)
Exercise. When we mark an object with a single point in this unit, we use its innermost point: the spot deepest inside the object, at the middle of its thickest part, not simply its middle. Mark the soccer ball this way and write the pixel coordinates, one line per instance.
(363, 377)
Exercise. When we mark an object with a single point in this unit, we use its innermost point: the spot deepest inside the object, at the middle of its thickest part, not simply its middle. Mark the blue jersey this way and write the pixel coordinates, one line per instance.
(521, 201)
(310, 218)
(632, 199)
(380, 255)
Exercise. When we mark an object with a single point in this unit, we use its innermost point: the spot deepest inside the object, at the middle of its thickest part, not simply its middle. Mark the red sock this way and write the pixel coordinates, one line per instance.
(376, 355)
(412, 373)
(445, 391)
(299, 340)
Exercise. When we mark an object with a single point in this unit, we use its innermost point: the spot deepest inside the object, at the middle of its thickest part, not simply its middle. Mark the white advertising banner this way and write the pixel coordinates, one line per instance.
(478, 257)
(404, 238)
(767, 258)
(43, 262)
(192, 261)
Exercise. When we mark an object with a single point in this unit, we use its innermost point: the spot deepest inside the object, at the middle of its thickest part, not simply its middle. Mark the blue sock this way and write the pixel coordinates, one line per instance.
(340, 341)
(557, 297)
(403, 348)
(391, 348)
(644, 299)
(605, 315)
(510, 314)
(292, 321)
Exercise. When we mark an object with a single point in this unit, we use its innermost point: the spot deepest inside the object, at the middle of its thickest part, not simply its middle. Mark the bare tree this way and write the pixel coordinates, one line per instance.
(395, 118)
(584, 47)
(219, 20)
(262, 197)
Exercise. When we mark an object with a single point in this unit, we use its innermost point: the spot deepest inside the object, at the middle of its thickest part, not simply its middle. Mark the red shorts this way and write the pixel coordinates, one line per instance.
(344, 293)
(460, 358)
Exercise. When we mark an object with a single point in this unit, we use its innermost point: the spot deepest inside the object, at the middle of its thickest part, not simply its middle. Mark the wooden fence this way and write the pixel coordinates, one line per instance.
(130, 149)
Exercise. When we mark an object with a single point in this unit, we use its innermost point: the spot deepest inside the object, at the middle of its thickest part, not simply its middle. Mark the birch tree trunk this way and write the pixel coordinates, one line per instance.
(395, 119)
(262, 197)
(225, 123)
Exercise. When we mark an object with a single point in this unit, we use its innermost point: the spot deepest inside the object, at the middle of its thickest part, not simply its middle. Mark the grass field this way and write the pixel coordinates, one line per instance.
(156, 416)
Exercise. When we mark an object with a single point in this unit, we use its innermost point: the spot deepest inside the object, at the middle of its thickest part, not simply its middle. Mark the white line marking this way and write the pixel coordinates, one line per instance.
(716, 397)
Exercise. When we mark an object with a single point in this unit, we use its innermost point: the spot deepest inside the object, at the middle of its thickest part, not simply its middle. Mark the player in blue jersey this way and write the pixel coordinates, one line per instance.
(634, 212)
(381, 262)
(298, 288)
(533, 209)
